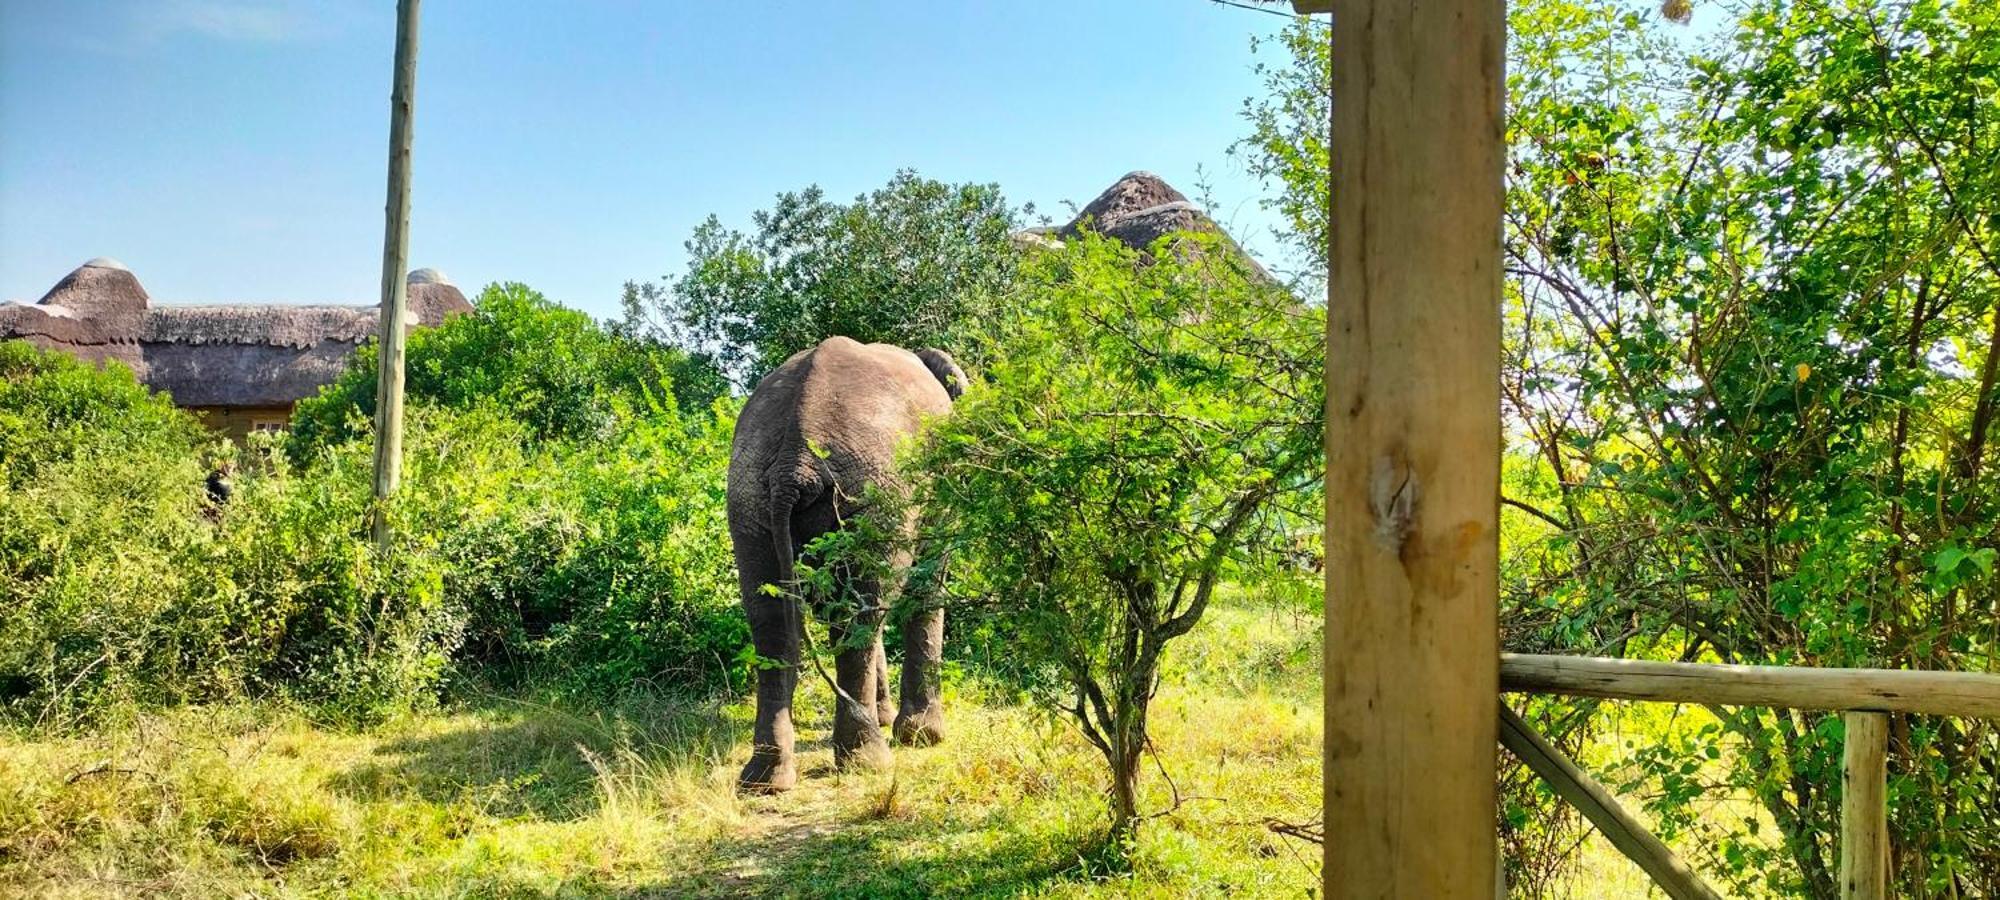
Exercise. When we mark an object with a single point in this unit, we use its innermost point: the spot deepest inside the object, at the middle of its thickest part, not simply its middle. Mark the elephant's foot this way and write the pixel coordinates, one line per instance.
(871, 754)
(885, 713)
(920, 728)
(768, 773)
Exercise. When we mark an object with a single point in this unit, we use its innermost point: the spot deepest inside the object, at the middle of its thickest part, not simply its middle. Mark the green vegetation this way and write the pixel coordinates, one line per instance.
(527, 795)
(126, 582)
(1751, 371)
(1753, 275)
(1752, 355)
(1287, 144)
(561, 586)
(100, 495)
(585, 561)
(560, 373)
(916, 263)
(1131, 446)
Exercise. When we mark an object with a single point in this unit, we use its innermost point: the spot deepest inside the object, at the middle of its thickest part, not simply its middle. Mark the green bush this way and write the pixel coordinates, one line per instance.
(649, 595)
(587, 554)
(550, 367)
(1140, 439)
(916, 262)
(100, 507)
(122, 581)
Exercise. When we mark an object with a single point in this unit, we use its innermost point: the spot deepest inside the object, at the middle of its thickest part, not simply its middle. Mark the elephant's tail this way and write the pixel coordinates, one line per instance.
(783, 498)
(804, 481)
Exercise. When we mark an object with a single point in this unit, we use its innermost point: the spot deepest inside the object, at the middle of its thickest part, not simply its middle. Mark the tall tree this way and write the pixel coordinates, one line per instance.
(1137, 442)
(916, 262)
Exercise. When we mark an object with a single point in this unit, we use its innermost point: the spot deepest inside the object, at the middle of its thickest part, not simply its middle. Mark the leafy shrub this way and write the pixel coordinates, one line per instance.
(1129, 450)
(648, 594)
(100, 506)
(125, 582)
(550, 367)
(595, 563)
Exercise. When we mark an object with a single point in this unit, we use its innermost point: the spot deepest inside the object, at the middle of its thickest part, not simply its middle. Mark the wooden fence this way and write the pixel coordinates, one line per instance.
(1864, 697)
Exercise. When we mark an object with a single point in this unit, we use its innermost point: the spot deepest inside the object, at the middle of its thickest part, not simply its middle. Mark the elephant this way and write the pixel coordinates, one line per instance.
(815, 435)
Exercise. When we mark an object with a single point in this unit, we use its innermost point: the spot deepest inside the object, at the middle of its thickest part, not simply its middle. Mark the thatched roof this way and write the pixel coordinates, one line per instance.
(1135, 192)
(223, 355)
(275, 326)
(102, 286)
(1137, 210)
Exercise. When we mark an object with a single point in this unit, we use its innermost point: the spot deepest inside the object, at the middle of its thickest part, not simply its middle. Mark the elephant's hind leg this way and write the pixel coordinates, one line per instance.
(775, 624)
(920, 722)
(857, 732)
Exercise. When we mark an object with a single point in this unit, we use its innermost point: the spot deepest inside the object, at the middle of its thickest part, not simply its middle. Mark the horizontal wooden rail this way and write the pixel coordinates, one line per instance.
(1962, 694)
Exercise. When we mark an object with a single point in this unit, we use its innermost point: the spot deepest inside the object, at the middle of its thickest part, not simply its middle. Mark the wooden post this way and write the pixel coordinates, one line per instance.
(1864, 807)
(1590, 798)
(395, 259)
(1413, 448)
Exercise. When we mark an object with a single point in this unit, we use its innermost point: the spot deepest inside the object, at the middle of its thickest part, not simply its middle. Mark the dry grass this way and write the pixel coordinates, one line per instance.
(506, 797)
(509, 797)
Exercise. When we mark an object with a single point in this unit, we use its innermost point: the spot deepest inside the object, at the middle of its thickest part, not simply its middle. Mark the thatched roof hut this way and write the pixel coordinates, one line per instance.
(234, 357)
(1137, 210)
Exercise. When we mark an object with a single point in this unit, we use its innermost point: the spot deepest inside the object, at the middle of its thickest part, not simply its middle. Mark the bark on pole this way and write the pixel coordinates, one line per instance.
(395, 259)
(1413, 448)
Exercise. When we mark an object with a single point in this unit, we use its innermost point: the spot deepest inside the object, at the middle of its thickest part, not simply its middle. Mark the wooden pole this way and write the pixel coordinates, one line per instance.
(1413, 448)
(395, 259)
(1963, 694)
(1864, 808)
(1590, 798)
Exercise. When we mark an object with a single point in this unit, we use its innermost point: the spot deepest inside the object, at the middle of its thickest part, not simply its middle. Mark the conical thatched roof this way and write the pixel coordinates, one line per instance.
(237, 355)
(1137, 210)
(432, 297)
(99, 287)
(1135, 192)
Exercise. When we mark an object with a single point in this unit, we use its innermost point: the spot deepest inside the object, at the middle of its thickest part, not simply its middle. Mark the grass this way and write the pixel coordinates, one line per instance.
(511, 797)
(515, 796)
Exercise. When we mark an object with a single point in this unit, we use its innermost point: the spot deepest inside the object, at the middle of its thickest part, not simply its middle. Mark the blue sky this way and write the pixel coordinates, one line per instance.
(234, 150)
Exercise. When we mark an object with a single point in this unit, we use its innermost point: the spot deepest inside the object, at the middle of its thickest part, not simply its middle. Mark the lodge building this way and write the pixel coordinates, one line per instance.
(241, 367)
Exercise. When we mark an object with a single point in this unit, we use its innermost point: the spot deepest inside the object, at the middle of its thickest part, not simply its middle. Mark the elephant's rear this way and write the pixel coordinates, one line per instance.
(823, 426)
(813, 437)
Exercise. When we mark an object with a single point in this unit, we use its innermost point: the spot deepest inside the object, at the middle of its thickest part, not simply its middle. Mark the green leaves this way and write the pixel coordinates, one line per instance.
(918, 263)
(1287, 147)
(1751, 300)
(560, 517)
(1140, 435)
(536, 361)
(1952, 565)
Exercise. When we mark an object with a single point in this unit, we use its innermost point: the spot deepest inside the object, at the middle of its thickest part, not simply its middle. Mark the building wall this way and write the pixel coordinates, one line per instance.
(238, 421)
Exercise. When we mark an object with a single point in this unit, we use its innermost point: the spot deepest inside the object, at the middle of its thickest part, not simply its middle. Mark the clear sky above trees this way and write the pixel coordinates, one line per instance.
(234, 149)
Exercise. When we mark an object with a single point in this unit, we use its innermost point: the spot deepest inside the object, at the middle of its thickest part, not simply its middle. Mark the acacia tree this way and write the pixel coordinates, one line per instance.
(1287, 145)
(1133, 445)
(916, 263)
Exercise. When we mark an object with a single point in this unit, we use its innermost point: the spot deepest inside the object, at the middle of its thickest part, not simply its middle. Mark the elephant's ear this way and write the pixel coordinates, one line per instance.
(945, 370)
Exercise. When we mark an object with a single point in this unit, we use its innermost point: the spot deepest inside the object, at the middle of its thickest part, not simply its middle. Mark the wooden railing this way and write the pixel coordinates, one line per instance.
(1864, 697)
